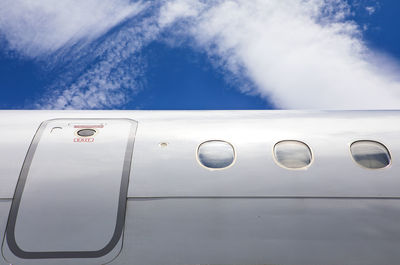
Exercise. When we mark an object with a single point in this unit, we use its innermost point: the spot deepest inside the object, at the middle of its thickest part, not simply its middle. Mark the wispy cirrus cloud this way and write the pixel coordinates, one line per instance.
(111, 74)
(96, 68)
(40, 27)
(305, 54)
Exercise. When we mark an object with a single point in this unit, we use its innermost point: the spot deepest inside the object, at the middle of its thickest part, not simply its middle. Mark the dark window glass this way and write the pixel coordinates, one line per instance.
(216, 154)
(86, 132)
(370, 154)
(292, 154)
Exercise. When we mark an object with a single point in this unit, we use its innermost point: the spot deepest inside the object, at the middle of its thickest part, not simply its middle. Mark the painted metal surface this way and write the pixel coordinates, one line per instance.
(16, 133)
(5, 205)
(253, 212)
(333, 173)
(261, 231)
(71, 196)
(253, 133)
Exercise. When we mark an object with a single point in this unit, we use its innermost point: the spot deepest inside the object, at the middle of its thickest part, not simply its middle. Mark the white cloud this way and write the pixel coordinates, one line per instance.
(173, 10)
(109, 82)
(299, 54)
(42, 26)
(304, 54)
(370, 9)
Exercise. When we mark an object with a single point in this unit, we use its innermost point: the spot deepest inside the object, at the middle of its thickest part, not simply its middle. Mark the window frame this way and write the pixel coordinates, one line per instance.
(376, 142)
(289, 168)
(214, 169)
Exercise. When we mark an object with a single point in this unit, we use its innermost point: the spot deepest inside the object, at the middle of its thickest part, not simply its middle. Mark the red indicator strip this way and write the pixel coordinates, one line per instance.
(83, 140)
(88, 126)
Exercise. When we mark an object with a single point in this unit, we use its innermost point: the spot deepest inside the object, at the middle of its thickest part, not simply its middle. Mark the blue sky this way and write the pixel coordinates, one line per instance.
(191, 54)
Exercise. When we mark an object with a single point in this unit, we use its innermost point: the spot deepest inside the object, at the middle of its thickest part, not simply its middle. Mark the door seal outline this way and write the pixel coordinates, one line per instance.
(122, 201)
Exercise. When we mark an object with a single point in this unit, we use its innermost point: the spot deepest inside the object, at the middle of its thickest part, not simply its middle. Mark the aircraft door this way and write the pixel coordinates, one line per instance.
(70, 200)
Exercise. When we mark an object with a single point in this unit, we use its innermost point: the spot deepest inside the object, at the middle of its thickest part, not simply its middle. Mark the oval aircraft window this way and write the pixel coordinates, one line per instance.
(292, 154)
(86, 132)
(216, 154)
(370, 154)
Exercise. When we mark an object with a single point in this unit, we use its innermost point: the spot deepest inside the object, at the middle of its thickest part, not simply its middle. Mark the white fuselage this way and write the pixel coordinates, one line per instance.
(136, 192)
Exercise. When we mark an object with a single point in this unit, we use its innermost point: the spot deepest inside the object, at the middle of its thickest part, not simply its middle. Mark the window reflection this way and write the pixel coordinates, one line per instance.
(292, 154)
(216, 154)
(370, 154)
